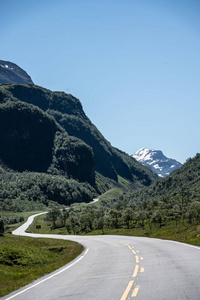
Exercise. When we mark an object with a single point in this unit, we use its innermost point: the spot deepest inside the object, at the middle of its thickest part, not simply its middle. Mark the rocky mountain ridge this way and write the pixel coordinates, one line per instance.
(156, 161)
(75, 147)
(12, 73)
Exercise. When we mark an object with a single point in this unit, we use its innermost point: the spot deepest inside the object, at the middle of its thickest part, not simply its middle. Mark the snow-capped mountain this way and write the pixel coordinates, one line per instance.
(156, 161)
(12, 73)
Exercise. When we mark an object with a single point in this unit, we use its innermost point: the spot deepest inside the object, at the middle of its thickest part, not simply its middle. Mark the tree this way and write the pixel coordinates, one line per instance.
(74, 222)
(193, 211)
(68, 225)
(127, 216)
(176, 213)
(53, 215)
(85, 222)
(158, 216)
(1, 227)
(115, 216)
(142, 217)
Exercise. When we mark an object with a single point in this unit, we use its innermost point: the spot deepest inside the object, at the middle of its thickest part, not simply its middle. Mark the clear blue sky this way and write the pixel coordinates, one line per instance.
(134, 64)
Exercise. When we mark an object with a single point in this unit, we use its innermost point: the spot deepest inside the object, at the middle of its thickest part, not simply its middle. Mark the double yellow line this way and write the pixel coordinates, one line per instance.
(135, 272)
(127, 290)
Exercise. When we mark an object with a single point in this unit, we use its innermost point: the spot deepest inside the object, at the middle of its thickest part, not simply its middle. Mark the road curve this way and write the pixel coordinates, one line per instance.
(119, 268)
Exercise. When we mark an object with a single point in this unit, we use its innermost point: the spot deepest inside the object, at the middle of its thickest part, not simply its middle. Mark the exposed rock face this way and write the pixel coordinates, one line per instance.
(156, 161)
(11, 73)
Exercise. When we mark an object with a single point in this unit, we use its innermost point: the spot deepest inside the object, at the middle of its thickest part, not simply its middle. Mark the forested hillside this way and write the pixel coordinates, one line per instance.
(51, 152)
(68, 112)
(28, 191)
(172, 202)
(183, 182)
(174, 197)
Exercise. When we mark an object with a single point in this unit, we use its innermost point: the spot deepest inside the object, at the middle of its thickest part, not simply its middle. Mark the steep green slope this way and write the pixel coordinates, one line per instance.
(31, 140)
(68, 112)
(182, 187)
(72, 158)
(26, 137)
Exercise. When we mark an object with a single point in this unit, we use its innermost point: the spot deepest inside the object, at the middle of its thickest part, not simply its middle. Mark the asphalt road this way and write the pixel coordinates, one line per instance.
(120, 268)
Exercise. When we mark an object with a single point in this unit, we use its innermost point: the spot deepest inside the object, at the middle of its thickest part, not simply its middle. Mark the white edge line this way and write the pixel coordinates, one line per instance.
(189, 245)
(171, 241)
(51, 276)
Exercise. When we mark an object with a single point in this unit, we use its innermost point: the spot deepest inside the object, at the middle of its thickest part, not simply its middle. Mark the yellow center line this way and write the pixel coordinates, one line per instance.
(130, 247)
(137, 251)
(136, 259)
(142, 270)
(127, 290)
(133, 251)
(135, 291)
(141, 257)
(135, 271)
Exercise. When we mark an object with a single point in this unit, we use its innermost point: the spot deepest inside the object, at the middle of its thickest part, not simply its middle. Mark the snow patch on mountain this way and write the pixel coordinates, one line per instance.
(12, 73)
(156, 161)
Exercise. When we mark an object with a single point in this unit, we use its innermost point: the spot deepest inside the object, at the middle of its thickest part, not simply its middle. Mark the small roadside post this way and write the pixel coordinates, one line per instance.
(38, 227)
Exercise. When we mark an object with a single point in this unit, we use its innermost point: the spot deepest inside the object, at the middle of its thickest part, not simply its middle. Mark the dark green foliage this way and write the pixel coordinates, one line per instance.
(30, 191)
(72, 158)
(43, 98)
(172, 200)
(109, 161)
(1, 226)
(53, 215)
(26, 136)
(12, 220)
(74, 153)
(182, 184)
(68, 112)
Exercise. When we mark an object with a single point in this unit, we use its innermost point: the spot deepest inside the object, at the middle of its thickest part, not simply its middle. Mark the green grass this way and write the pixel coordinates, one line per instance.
(24, 259)
(9, 214)
(183, 233)
(110, 195)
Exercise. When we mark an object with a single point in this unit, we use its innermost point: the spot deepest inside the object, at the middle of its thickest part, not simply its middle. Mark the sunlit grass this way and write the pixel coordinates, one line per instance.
(183, 232)
(23, 259)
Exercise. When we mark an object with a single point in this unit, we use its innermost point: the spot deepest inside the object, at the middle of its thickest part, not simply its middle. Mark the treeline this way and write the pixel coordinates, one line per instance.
(29, 191)
(154, 214)
(170, 200)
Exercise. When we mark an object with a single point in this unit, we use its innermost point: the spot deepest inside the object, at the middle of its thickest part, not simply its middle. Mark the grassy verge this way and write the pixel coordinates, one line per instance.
(24, 259)
(9, 214)
(183, 233)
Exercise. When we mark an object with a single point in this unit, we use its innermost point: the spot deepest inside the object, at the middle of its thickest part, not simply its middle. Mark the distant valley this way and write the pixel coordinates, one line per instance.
(51, 153)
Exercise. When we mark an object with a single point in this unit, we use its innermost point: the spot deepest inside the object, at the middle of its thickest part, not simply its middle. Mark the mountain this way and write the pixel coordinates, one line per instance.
(179, 188)
(32, 140)
(67, 111)
(51, 152)
(156, 161)
(11, 73)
